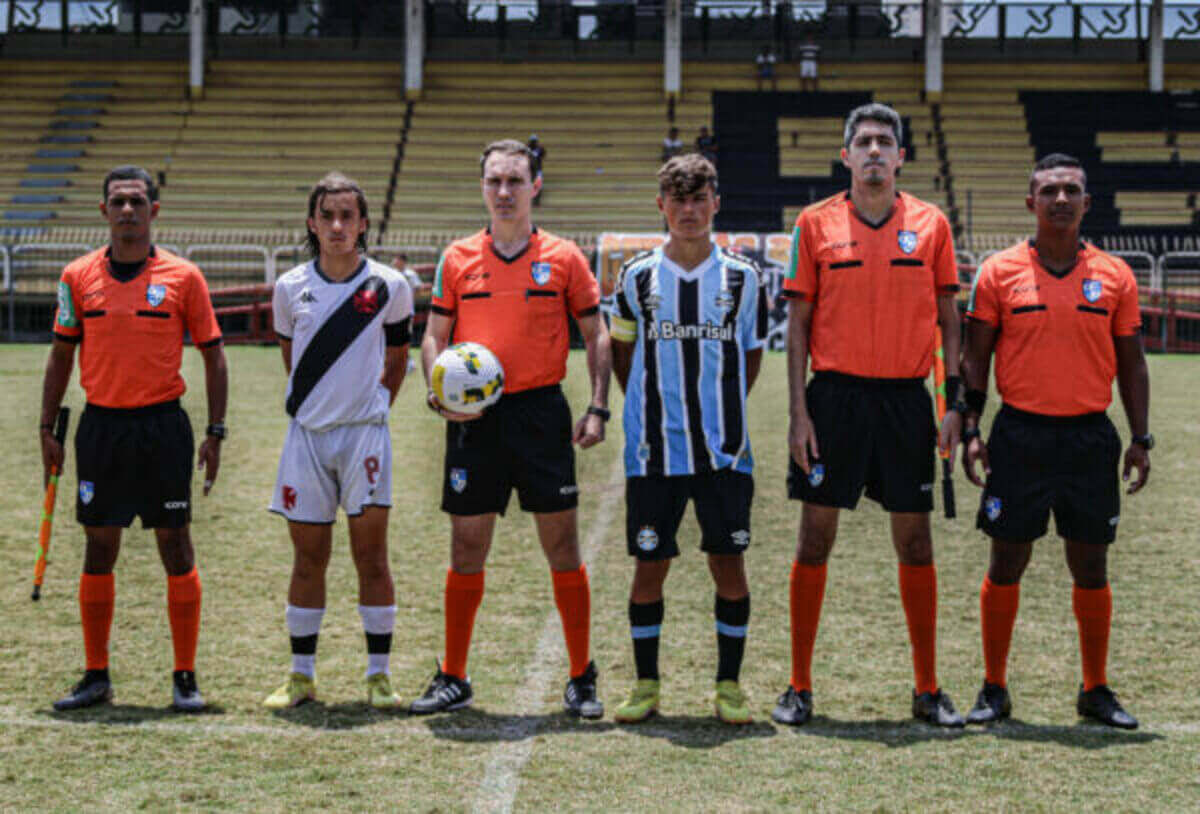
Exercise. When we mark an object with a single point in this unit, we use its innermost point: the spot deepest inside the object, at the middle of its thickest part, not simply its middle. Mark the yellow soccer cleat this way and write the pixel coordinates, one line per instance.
(379, 692)
(641, 703)
(294, 692)
(731, 703)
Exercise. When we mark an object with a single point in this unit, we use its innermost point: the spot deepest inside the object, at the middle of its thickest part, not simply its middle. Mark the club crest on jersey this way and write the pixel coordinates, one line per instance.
(817, 475)
(458, 480)
(366, 301)
(992, 507)
(907, 240)
(540, 273)
(1092, 289)
(87, 491)
(155, 294)
(724, 300)
(647, 538)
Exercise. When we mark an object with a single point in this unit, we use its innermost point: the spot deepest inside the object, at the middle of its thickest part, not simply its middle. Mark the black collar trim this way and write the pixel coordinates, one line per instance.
(317, 268)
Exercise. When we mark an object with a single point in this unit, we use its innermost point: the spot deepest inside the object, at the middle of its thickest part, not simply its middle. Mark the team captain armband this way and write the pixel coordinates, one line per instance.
(623, 330)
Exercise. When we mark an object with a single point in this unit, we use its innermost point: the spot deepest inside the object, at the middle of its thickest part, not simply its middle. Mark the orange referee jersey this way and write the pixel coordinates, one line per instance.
(874, 289)
(517, 307)
(1054, 350)
(131, 332)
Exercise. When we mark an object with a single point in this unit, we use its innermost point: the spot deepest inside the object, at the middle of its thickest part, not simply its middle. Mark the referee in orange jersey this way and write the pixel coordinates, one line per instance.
(1062, 318)
(127, 308)
(871, 279)
(511, 287)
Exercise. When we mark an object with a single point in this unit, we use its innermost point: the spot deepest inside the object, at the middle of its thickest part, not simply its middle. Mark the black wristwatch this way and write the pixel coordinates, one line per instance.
(969, 435)
(216, 430)
(1146, 441)
(603, 413)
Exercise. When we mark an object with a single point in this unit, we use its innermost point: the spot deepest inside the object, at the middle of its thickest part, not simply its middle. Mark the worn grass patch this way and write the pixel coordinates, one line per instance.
(860, 752)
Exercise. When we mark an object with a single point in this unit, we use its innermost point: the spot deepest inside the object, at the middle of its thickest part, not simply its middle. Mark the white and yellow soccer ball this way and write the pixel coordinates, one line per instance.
(467, 378)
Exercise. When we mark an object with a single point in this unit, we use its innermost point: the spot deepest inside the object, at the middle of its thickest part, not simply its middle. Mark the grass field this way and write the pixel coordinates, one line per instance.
(515, 749)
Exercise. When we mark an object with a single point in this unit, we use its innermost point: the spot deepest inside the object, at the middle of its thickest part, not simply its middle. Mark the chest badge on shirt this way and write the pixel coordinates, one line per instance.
(366, 301)
(907, 241)
(540, 273)
(1092, 289)
(155, 294)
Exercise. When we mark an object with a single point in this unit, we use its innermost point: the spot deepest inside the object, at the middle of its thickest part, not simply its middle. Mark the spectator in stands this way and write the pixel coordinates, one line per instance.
(539, 158)
(672, 145)
(809, 52)
(706, 145)
(764, 65)
(419, 287)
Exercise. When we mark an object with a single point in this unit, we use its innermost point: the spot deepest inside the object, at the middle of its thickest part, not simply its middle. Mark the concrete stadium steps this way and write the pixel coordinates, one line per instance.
(1156, 208)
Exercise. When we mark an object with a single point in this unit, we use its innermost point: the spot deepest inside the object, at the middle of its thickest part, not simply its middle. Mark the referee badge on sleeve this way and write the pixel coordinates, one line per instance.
(907, 241)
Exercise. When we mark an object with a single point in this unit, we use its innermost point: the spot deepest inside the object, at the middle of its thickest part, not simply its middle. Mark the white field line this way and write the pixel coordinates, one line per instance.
(508, 758)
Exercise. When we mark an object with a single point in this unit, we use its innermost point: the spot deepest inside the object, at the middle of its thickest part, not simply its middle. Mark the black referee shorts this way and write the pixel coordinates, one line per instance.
(135, 462)
(1042, 464)
(522, 442)
(873, 434)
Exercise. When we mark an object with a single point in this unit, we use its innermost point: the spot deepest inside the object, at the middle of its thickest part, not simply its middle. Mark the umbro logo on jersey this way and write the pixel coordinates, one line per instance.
(907, 240)
(568, 490)
(307, 296)
(741, 538)
(724, 301)
(653, 302)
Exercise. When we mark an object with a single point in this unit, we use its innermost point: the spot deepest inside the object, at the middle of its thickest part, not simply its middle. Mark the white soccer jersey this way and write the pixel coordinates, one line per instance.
(338, 332)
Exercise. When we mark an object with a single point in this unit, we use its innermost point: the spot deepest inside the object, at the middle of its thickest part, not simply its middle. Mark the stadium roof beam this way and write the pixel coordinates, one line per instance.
(933, 49)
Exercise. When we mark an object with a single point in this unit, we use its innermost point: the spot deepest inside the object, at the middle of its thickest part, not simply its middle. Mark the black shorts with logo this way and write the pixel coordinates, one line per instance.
(522, 442)
(135, 462)
(654, 506)
(877, 434)
(1042, 464)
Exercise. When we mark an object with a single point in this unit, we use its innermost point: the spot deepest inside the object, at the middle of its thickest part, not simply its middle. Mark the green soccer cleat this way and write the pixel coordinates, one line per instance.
(732, 705)
(641, 703)
(379, 692)
(298, 689)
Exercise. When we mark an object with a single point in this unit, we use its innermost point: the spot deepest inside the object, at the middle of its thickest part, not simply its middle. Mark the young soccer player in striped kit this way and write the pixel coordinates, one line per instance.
(687, 334)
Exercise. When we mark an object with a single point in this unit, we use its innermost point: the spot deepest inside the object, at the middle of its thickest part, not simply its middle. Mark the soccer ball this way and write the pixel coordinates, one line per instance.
(467, 378)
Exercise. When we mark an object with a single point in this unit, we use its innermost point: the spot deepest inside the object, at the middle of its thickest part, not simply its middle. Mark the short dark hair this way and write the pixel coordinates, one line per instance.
(687, 175)
(332, 184)
(1052, 162)
(873, 112)
(508, 146)
(128, 172)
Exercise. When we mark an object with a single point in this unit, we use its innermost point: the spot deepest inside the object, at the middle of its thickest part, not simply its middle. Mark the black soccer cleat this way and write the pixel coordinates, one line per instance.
(1101, 704)
(579, 697)
(185, 695)
(937, 709)
(991, 705)
(793, 708)
(94, 688)
(444, 693)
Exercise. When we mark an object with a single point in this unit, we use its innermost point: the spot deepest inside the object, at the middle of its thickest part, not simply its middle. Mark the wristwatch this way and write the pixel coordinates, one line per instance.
(603, 413)
(216, 430)
(969, 435)
(1146, 441)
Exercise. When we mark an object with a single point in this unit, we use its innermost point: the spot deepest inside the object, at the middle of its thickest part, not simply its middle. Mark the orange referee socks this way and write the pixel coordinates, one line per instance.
(97, 593)
(998, 611)
(464, 593)
(183, 609)
(806, 593)
(918, 593)
(573, 597)
(1093, 613)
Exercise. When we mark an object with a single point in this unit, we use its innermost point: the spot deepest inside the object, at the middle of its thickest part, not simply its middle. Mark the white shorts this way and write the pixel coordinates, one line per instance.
(350, 465)
(808, 69)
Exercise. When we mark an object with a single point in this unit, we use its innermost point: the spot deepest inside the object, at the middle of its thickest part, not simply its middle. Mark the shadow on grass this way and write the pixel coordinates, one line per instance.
(474, 725)
(337, 717)
(698, 731)
(881, 730)
(127, 714)
(1081, 735)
